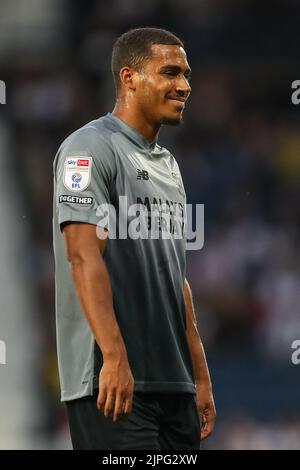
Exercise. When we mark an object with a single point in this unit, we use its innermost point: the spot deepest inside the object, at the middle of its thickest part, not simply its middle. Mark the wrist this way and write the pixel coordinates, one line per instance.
(116, 353)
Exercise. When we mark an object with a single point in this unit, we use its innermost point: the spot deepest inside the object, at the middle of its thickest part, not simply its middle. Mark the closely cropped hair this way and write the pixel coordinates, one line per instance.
(133, 48)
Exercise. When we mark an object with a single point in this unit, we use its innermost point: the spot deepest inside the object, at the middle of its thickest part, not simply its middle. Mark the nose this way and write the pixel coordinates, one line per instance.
(183, 87)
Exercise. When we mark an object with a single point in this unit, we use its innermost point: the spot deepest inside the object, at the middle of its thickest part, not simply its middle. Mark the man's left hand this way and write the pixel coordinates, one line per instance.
(206, 409)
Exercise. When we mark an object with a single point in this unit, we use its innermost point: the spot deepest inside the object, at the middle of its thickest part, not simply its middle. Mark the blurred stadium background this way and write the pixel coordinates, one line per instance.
(239, 152)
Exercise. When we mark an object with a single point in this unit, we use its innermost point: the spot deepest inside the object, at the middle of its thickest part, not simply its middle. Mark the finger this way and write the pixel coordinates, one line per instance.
(123, 414)
(109, 404)
(119, 406)
(203, 420)
(205, 433)
(207, 429)
(101, 398)
(128, 405)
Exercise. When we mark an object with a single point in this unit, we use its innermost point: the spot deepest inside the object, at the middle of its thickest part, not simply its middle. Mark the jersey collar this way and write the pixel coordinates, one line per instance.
(132, 133)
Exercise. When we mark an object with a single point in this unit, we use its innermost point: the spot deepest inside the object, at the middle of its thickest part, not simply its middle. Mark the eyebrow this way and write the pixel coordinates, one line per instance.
(176, 69)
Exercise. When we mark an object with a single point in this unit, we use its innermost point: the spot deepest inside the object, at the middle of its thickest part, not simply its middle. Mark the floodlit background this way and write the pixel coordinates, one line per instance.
(239, 152)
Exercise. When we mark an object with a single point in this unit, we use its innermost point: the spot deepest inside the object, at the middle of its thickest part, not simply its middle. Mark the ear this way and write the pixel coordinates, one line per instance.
(128, 78)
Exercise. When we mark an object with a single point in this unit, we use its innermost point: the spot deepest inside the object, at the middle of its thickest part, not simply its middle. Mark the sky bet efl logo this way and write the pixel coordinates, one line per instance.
(77, 173)
(2, 92)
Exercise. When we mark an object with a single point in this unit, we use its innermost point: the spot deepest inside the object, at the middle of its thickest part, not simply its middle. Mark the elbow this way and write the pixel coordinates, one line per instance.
(79, 265)
(76, 258)
(82, 260)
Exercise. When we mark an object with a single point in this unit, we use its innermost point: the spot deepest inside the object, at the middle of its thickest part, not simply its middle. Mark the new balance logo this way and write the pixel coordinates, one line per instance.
(142, 174)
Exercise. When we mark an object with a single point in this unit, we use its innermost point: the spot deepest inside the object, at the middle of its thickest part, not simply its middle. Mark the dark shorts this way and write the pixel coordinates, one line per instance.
(157, 421)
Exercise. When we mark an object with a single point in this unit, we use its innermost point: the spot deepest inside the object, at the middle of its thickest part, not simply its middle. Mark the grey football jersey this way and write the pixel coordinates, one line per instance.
(96, 165)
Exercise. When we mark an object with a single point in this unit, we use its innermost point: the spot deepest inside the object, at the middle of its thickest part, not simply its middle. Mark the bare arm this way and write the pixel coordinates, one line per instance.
(93, 288)
(205, 401)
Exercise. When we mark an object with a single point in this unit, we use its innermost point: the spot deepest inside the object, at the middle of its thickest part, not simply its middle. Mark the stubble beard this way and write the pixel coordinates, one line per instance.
(168, 121)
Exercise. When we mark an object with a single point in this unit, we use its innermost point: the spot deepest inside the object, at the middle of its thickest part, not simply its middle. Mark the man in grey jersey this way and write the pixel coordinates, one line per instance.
(132, 366)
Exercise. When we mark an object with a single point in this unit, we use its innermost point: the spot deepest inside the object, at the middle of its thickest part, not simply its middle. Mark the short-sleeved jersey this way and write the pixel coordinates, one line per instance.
(96, 165)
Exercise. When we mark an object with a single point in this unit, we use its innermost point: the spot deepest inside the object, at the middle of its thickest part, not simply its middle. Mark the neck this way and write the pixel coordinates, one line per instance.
(132, 115)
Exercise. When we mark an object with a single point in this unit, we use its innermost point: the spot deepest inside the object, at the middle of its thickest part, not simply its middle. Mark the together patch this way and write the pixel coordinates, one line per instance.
(75, 199)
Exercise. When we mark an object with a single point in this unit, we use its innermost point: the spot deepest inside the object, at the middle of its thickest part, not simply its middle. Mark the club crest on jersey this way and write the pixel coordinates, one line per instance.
(77, 173)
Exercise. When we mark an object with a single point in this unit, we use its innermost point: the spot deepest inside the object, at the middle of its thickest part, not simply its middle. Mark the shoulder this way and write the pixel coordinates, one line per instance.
(168, 156)
(93, 137)
(91, 140)
(163, 151)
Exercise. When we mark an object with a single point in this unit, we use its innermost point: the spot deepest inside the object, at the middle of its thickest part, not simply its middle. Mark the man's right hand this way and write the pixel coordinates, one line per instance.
(116, 385)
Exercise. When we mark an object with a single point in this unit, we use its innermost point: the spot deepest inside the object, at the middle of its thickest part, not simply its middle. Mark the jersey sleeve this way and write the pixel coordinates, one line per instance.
(84, 170)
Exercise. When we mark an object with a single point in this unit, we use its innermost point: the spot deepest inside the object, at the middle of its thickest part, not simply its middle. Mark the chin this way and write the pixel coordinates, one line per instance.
(172, 120)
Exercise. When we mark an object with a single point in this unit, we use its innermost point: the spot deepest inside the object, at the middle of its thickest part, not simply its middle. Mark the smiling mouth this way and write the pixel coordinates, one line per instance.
(179, 101)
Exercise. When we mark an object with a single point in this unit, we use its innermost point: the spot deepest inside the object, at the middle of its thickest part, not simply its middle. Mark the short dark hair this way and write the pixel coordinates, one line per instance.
(133, 48)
